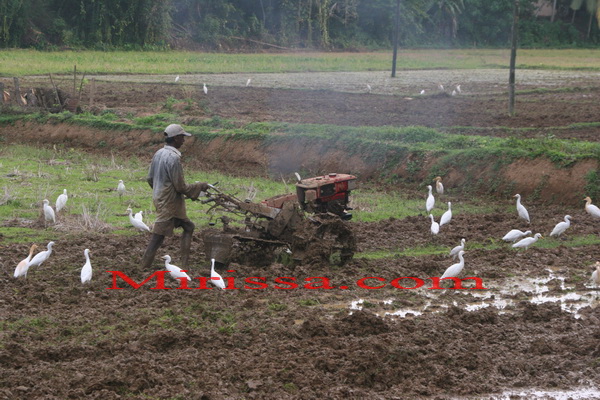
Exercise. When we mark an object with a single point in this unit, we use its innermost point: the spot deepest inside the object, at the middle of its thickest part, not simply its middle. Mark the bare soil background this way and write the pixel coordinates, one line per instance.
(536, 326)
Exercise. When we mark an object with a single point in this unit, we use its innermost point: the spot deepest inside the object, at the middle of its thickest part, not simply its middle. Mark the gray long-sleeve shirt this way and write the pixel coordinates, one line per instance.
(165, 177)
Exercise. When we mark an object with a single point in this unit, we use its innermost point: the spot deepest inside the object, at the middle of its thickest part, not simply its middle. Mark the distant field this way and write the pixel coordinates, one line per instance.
(31, 62)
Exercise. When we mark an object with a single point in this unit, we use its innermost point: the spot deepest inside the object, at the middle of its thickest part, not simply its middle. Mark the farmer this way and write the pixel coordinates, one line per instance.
(165, 177)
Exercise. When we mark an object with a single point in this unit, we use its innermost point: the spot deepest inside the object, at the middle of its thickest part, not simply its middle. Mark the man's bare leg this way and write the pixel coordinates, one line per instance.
(155, 242)
(186, 243)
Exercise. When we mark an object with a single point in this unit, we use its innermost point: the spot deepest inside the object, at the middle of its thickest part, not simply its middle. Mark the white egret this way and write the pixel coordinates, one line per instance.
(593, 210)
(527, 241)
(205, 89)
(454, 93)
(61, 201)
(41, 257)
(447, 216)
(139, 216)
(174, 270)
(215, 278)
(177, 78)
(561, 227)
(49, 212)
(458, 89)
(435, 227)
(86, 271)
(441, 87)
(455, 269)
(23, 266)
(454, 252)
(137, 224)
(248, 82)
(429, 203)
(521, 209)
(369, 87)
(439, 186)
(422, 91)
(514, 235)
(121, 188)
(596, 274)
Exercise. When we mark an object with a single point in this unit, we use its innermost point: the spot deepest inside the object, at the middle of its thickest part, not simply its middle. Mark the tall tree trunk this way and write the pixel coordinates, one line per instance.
(323, 19)
(309, 22)
(553, 11)
(590, 24)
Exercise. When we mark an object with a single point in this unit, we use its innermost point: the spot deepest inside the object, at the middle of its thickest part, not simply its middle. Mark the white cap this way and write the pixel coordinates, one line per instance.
(175, 130)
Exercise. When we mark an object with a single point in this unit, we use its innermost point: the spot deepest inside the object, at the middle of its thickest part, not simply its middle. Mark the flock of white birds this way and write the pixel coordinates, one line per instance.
(519, 238)
(86, 271)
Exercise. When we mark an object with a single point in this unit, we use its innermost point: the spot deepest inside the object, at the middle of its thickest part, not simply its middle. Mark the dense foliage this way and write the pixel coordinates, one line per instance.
(318, 24)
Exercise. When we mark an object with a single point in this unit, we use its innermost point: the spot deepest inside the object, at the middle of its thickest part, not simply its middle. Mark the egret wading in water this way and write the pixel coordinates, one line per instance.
(435, 227)
(61, 201)
(454, 252)
(41, 257)
(447, 216)
(430, 202)
(439, 186)
(215, 278)
(514, 235)
(455, 269)
(176, 272)
(561, 227)
(527, 241)
(23, 266)
(591, 209)
(86, 271)
(121, 189)
(48, 212)
(521, 209)
(136, 223)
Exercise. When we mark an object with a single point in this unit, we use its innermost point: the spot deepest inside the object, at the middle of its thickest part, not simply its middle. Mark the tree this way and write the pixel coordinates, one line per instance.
(592, 7)
(445, 15)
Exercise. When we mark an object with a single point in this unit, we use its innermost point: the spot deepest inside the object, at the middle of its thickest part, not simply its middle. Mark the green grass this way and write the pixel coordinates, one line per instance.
(182, 62)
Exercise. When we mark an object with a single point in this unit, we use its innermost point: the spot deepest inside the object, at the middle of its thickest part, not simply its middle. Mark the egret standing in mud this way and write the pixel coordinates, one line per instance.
(430, 202)
(596, 275)
(205, 89)
(215, 278)
(514, 234)
(447, 216)
(521, 209)
(561, 227)
(591, 209)
(527, 241)
(23, 266)
(41, 257)
(435, 227)
(455, 269)
(454, 252)
(176, 272)
(86, 270)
